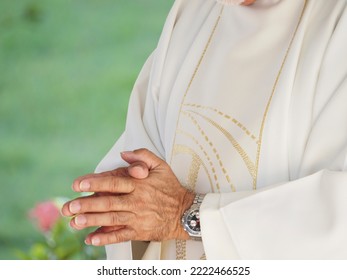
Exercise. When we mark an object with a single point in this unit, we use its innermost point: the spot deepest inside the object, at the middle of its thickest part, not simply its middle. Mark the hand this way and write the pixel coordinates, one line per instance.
(248, 2)
(238, 2)
(142, 202)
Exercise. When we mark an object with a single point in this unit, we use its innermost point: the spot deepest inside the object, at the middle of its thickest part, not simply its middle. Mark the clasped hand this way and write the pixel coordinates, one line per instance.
(143, 201)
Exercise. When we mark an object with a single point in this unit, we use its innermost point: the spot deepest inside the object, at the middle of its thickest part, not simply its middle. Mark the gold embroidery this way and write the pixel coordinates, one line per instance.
(181, 245)
(202, 162)
(181, 250)
(207, 139)
(233, 120)
(198, 66)
(250, 165)
(272, 94)
(191, 184)
(197, 162)
(194, 171)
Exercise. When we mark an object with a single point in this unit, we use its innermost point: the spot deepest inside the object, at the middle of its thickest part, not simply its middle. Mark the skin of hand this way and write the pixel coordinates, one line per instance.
(248, 2)
(144, 201)
(237, 2)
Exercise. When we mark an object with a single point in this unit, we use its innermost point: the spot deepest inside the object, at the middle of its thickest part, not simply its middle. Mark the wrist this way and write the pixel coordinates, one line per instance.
(187, 200)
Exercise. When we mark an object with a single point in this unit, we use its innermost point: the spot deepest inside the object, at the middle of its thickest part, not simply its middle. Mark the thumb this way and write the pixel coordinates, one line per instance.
(138, 170)
(144, 156)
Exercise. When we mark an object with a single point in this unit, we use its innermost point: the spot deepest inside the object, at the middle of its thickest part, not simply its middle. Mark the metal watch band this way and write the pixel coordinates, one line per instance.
(194, 207)
(198, 198)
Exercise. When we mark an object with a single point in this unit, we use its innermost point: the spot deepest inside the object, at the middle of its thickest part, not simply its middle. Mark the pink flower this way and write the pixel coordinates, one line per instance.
(46, 214)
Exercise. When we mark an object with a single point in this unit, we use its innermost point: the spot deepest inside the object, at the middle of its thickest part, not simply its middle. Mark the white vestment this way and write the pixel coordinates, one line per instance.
(249, 105)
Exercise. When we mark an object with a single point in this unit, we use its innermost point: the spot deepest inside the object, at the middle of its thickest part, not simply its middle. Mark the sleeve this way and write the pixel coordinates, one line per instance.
(137, 134)
(141, 130)
(301, 219)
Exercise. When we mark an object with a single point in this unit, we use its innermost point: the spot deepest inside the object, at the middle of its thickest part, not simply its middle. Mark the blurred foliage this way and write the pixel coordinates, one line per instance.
(59, 241)
(66, 72)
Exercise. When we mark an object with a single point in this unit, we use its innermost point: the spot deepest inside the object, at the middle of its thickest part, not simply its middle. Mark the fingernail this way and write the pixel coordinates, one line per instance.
(84, 186)
(74, 207)
(80, 220)
(125, 153)
(95, 241)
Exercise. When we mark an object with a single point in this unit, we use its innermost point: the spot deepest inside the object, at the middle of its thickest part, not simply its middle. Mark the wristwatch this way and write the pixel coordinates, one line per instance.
(191, 218)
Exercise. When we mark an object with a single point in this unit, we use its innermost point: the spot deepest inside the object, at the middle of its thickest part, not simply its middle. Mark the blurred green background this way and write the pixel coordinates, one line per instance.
(66, 71)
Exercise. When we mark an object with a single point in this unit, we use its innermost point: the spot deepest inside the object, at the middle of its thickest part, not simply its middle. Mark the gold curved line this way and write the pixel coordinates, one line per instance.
(193, 172)
(273, 93)
(210, 143)
(226, 116)
(179, 131)
(181, 245)
(197, 67)
(250, 165)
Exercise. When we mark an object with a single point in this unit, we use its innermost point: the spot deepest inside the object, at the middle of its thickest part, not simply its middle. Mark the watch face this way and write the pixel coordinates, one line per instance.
(193, 222)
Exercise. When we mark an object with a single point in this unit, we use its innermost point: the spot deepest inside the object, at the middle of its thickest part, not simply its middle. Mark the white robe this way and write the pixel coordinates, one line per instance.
(249, 105)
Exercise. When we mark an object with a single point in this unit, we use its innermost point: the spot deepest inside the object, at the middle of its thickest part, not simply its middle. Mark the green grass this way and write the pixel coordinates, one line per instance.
(66, 72)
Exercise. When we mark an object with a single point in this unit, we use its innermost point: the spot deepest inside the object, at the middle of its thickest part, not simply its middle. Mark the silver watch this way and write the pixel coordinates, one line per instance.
(191, 218)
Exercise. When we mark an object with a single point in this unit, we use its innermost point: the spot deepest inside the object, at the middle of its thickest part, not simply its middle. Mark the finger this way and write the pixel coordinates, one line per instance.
(108, 184)
(103, 229)
(248, 2)
(98, 238)
(138, 170)
(142, 155)
(118, 219)
(97, 204)
(88, 241)
(78, 187)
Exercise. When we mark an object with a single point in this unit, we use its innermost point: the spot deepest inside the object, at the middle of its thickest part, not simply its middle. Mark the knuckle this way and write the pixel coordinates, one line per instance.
(113, 184)
(125, 235)
(124, 202)
(118, 236)
(109, 202)
(133, 202)
(118, 218)
(113, 238)
(114, 220)
(139, 204)
(142, 150)
(119, 185)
